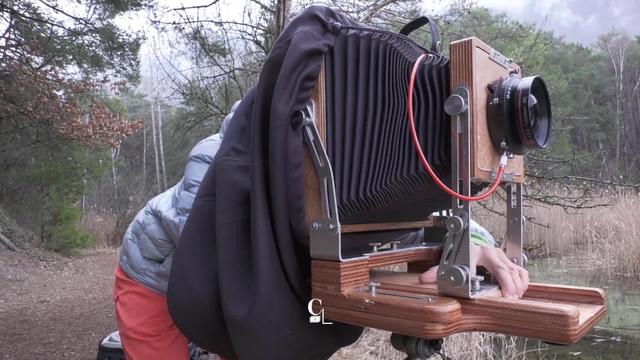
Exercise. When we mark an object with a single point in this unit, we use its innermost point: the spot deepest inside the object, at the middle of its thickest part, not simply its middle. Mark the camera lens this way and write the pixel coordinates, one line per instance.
(519, 114)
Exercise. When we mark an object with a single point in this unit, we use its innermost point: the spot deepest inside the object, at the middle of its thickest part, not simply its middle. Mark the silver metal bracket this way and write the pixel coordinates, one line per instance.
(325, 239)
(456, 275)
(506, 177)
(515, 224)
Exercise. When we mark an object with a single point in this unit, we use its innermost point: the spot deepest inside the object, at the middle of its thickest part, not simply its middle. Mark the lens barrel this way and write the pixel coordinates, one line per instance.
(519, 114)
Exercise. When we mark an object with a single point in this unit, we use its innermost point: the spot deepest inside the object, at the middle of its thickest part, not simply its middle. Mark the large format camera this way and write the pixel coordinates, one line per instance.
(399, 141)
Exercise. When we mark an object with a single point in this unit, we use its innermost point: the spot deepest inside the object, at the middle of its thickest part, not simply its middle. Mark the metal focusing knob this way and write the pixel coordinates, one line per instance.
(456, 275)
(373, 288)
(455, 105)
(375, 246)
(394, 244)
(455, 224)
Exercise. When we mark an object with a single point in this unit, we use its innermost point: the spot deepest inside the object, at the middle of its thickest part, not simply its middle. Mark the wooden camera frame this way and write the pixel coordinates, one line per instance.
(357, 291)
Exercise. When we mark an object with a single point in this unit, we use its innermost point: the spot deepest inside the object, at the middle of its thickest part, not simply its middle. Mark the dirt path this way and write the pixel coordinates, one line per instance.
(54, 307)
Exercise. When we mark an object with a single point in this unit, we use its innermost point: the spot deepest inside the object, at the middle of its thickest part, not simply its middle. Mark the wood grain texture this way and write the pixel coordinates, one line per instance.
(471, 66)
(553, 313)
(432, 221)
(353, 228)
(342, 276)
(312, 204)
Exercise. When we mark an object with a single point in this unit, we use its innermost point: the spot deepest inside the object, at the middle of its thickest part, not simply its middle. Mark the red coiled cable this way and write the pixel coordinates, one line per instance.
(423, 159)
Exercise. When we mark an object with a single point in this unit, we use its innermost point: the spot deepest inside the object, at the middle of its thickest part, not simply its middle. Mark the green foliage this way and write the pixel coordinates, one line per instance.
(524, 43)
(64, 234)
(590, 137)
(54, 67)
(50, 204)
(47, 35)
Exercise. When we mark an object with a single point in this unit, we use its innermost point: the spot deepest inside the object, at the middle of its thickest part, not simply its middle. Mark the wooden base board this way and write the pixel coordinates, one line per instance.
(552, 313)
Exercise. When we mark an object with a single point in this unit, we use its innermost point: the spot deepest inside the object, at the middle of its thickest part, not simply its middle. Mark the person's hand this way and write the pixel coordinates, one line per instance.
(512, 278)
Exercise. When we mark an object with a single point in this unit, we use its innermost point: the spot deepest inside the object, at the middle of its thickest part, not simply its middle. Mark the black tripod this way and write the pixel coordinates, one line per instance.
(417, 348)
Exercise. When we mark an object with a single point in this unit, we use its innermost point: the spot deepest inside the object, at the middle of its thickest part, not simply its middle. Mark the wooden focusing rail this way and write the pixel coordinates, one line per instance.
(553, 313)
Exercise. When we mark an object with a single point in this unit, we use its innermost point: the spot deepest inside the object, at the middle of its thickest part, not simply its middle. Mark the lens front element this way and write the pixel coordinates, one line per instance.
(519, 114)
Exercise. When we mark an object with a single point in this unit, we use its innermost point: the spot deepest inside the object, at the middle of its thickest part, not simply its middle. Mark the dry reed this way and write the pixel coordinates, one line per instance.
(606, 237)
(375, 344)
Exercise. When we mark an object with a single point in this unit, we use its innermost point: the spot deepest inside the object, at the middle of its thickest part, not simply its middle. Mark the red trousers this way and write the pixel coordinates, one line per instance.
(146, 328)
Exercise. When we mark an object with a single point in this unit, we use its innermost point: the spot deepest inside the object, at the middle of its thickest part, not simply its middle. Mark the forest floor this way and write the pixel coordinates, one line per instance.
(55, 307)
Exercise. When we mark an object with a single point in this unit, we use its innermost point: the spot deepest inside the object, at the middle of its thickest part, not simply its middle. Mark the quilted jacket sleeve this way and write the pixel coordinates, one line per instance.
(200, 158)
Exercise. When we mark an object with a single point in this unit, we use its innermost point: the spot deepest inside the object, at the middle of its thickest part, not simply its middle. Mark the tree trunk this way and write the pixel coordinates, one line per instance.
(144, 155)
(8, 243)
(114, 156)
(84, 195)
(162, 162)
(617, 54)
(283, 7)
(155, 148)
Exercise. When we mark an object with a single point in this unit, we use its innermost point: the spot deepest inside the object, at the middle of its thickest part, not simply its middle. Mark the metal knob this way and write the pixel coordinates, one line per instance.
(456, 275)
(475, 282)
(455, 105)
(373, 288)
(455, 224)
(375, 246)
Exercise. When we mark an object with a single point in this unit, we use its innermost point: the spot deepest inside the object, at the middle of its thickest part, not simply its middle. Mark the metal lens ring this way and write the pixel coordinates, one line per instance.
(534, 113)
(519, 114)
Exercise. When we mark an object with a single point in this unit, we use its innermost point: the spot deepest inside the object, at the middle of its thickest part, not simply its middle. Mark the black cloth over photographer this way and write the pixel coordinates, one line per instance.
(240, 278)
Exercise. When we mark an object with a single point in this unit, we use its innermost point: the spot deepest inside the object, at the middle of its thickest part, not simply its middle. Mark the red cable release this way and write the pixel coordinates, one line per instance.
(423, 159)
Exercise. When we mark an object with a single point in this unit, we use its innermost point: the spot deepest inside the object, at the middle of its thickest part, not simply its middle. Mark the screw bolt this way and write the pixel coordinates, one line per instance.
(455, 224)
(475, 282)
(315, 226)
(373, 288)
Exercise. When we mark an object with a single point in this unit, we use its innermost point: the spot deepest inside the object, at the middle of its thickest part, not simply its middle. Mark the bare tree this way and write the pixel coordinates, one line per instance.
(161, 145)
(226, 54)
(616, 48)
(155, 147)
(115, 152)
(144, 156)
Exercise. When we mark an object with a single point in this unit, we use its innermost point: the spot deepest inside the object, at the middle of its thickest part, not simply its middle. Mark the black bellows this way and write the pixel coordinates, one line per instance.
(378, 175)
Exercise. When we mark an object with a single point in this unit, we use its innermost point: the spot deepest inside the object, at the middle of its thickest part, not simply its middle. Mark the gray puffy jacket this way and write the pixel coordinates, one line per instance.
(148, 244)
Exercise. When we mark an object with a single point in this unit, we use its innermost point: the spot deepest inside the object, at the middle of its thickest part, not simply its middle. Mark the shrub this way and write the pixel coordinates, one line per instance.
(65, 235)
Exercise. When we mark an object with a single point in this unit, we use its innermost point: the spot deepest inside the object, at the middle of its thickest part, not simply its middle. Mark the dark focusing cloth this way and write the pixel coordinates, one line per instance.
(240, 279)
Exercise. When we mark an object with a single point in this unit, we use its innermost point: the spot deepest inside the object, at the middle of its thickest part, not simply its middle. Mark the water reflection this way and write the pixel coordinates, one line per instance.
(617, 336)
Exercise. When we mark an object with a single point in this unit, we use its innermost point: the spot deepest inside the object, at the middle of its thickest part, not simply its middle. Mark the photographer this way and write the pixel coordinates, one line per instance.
(146, 328)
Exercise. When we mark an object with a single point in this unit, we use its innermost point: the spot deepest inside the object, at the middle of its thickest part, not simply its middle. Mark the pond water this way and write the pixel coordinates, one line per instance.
(615, 337)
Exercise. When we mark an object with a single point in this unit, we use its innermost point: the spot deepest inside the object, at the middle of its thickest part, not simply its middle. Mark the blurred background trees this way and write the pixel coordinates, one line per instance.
(57, 64)
(88, 135)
